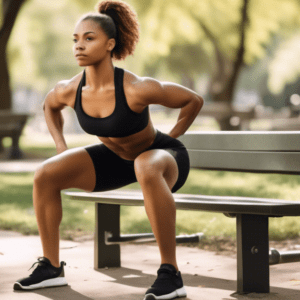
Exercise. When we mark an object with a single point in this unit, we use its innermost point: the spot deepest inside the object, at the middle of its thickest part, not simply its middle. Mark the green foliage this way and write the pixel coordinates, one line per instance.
(168, 26)
(178, 37)
(266, 19)
(285, 65)
(40, 49)
(84, 5)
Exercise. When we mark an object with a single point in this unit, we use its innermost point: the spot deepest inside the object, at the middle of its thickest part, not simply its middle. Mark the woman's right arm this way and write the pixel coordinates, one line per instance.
(54, 119)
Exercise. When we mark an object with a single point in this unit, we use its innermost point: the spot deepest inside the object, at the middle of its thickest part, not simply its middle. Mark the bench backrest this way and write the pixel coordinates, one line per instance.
(245, 151)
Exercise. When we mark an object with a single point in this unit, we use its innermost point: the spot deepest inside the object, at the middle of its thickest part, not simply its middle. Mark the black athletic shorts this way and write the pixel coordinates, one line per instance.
(113, 172)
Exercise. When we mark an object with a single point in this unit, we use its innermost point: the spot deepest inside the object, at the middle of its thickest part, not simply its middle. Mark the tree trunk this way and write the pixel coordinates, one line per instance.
(5, 101)
(10, 11)
(226, 71)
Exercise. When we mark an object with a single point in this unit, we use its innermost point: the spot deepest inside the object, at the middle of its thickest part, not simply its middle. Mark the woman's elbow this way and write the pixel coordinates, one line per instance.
(199, 102)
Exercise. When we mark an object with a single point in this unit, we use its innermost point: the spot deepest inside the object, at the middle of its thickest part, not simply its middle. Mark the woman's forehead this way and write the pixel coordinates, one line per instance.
(87, 25)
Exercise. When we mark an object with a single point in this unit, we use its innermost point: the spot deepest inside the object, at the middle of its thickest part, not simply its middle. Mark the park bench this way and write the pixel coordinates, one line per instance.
(242, 151)
(11, 125)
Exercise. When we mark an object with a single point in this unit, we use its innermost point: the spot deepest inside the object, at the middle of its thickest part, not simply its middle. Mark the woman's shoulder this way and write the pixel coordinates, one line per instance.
(65, 90)
(138, 85)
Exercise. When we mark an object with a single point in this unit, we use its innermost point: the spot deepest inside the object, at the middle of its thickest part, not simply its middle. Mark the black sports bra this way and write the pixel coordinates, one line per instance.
(122, 122)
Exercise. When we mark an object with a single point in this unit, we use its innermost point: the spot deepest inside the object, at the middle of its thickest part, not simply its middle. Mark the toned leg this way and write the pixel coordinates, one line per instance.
(72, 168)
(157, 173)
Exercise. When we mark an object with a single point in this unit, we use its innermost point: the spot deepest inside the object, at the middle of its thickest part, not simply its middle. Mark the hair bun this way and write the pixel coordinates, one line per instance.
(127, 27)
(108, 6)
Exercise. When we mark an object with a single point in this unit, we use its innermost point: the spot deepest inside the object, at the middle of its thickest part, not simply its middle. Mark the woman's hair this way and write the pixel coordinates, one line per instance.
(118, 21)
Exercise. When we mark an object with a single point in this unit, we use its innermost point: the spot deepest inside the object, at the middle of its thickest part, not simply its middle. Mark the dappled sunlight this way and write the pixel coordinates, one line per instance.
(211, 224)
(244, 184)
(16, 179)
(16, 218)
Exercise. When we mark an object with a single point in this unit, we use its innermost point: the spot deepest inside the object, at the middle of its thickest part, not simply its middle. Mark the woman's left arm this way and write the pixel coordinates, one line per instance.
(173, 96)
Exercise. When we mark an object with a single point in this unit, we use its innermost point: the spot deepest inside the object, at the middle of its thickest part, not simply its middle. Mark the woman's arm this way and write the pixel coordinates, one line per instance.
(54, 119)
(187, 115)
(173, 96)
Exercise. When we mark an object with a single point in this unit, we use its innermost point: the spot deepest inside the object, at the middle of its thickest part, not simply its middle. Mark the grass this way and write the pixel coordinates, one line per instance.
(16, 209)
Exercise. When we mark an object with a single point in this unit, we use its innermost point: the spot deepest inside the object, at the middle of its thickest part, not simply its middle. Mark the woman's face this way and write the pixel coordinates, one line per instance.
(91, 44)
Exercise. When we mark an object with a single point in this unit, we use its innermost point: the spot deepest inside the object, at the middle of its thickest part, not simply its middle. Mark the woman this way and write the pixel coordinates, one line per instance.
(112, 104)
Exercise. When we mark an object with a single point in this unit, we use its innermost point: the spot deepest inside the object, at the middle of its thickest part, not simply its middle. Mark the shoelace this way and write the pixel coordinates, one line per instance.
(40, 262)
(41, 269)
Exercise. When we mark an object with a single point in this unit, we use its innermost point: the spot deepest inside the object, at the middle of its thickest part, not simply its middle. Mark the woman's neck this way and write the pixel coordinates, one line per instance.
(100, 76)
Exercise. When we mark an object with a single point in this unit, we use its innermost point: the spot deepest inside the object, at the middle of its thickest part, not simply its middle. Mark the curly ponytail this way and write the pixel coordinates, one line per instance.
(118, 21)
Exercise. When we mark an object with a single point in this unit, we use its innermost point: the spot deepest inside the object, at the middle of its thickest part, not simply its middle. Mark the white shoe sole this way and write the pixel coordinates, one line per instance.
(176, 294)
(59, 281)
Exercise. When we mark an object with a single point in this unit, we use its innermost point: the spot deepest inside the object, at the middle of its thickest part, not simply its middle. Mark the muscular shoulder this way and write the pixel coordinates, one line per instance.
(64, 91)
(63, 94)
(143, 89)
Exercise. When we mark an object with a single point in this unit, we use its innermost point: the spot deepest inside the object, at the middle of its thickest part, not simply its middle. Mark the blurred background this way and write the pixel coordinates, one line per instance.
(241, 56)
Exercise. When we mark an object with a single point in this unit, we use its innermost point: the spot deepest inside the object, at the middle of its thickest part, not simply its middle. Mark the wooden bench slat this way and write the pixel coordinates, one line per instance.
(242, 140)
(251, 161)
(223, 204)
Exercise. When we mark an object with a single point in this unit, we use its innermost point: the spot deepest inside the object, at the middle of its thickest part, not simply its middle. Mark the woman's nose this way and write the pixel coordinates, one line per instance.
(79, 46)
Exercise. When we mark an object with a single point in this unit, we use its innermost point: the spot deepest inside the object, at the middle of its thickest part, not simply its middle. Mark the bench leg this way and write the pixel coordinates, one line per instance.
(252, 254)
(1, 145)
(15, 151)
(107, 222)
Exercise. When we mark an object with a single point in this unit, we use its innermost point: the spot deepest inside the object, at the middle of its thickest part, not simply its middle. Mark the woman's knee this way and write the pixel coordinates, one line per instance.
(45, 175)
(145, 167)
(153, 165)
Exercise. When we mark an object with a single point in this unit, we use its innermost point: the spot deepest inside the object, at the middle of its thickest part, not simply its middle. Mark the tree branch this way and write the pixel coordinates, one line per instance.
(219, 56)
(241, 51)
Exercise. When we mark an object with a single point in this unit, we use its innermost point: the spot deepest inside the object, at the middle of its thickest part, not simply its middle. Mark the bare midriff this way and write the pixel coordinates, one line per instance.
(130, 147)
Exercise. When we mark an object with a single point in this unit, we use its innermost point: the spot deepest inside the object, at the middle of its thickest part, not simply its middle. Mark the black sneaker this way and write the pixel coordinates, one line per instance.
(168, 285)
(44, 275)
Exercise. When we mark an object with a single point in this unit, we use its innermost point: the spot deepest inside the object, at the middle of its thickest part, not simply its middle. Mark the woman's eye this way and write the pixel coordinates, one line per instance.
(88, 39)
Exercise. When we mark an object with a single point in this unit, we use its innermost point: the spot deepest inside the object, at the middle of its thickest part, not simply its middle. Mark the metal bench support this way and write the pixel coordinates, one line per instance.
(108, 237)
(107, 221)
(252, 254)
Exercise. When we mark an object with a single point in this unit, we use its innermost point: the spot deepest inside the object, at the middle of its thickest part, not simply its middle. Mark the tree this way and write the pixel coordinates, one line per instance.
(238, 31)
(46, 28)
(10, 10)
(226, 71)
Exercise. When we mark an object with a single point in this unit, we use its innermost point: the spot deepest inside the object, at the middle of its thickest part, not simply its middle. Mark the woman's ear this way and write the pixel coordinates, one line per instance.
(111, 44)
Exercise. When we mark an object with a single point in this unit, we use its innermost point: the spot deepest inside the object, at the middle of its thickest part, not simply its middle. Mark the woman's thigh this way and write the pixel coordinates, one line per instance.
(112, 172)
(71, 169)
(93, 168)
